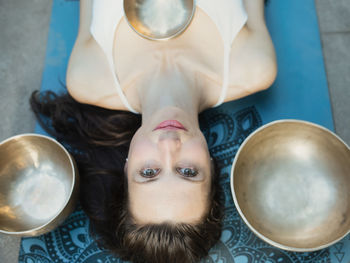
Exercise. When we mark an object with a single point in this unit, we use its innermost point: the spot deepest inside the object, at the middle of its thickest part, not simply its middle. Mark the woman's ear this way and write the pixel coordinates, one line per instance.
(212, 166)
(126, 166)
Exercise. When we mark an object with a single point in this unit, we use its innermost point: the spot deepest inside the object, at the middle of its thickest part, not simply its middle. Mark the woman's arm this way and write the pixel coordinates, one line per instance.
(255, 11)
(88, 69)
(89, 78)
(84, 21)
(253, 61)
(76, 71)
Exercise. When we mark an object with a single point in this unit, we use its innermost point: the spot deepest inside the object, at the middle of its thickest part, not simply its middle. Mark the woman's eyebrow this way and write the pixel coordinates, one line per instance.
(191, 179)
(144, 181)
(188, 179)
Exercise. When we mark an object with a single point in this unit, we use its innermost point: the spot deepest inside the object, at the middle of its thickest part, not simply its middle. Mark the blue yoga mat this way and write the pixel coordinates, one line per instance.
(299, 92)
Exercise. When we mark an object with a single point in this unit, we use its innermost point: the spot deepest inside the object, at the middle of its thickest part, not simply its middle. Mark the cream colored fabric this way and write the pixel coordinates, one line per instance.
(228, 15)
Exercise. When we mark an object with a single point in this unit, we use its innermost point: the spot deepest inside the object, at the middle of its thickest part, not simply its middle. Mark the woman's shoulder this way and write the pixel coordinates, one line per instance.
(253, 65)
(88, 79)
(88, 76)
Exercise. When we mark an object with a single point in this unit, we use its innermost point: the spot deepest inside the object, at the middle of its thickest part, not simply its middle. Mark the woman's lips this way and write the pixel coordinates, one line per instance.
(170, 125)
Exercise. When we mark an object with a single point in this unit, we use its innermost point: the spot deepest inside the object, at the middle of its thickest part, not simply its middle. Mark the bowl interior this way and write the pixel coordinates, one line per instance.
(291, 181)
(159, 19)
(36, 178)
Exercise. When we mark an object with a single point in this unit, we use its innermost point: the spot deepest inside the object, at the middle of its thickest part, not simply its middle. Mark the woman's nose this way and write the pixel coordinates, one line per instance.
(169, 141)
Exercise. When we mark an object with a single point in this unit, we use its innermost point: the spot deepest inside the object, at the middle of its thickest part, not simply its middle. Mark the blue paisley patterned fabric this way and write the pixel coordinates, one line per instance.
(297, 93)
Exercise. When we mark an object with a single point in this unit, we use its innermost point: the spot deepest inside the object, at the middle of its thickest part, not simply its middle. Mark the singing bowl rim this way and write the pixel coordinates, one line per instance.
(54, 220)
(190, 18)
(233, 192)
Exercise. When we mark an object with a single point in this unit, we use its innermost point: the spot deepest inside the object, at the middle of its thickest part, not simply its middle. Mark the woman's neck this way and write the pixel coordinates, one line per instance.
(169, 88)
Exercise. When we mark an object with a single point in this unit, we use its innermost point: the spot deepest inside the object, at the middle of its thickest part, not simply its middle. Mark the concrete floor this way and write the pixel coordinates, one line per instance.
(23, 35)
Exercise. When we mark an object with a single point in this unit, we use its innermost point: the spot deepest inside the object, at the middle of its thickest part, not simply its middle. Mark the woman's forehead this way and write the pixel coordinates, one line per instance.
(178, 201)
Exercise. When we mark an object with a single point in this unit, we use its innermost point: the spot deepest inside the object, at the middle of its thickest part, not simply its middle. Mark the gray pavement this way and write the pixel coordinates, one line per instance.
(23, 35)
(334, 21)
(24, 26)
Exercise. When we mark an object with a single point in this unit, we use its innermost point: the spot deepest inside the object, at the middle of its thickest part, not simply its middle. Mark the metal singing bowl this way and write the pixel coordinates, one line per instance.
(38, 185)
(159, 19)
(290, 182)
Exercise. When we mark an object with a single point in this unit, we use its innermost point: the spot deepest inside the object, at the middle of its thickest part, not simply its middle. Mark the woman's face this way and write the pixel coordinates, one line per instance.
(169, 173)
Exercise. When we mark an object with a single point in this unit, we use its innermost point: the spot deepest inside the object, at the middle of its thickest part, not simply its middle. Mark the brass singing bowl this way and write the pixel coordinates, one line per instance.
(290, 182)
(38, 185)
(159, 19)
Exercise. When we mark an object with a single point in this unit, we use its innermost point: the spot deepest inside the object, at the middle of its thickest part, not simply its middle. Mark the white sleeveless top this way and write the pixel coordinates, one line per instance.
(229, 17)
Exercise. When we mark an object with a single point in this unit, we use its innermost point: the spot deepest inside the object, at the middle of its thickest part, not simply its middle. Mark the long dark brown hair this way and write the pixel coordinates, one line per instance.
(99, 140)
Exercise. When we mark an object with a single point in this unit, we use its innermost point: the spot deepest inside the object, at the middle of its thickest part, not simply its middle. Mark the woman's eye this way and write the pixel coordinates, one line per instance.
(149, 172)
(187, 172)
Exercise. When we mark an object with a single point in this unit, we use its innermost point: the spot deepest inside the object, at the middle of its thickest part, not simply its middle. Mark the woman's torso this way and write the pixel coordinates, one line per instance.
(199, 50)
